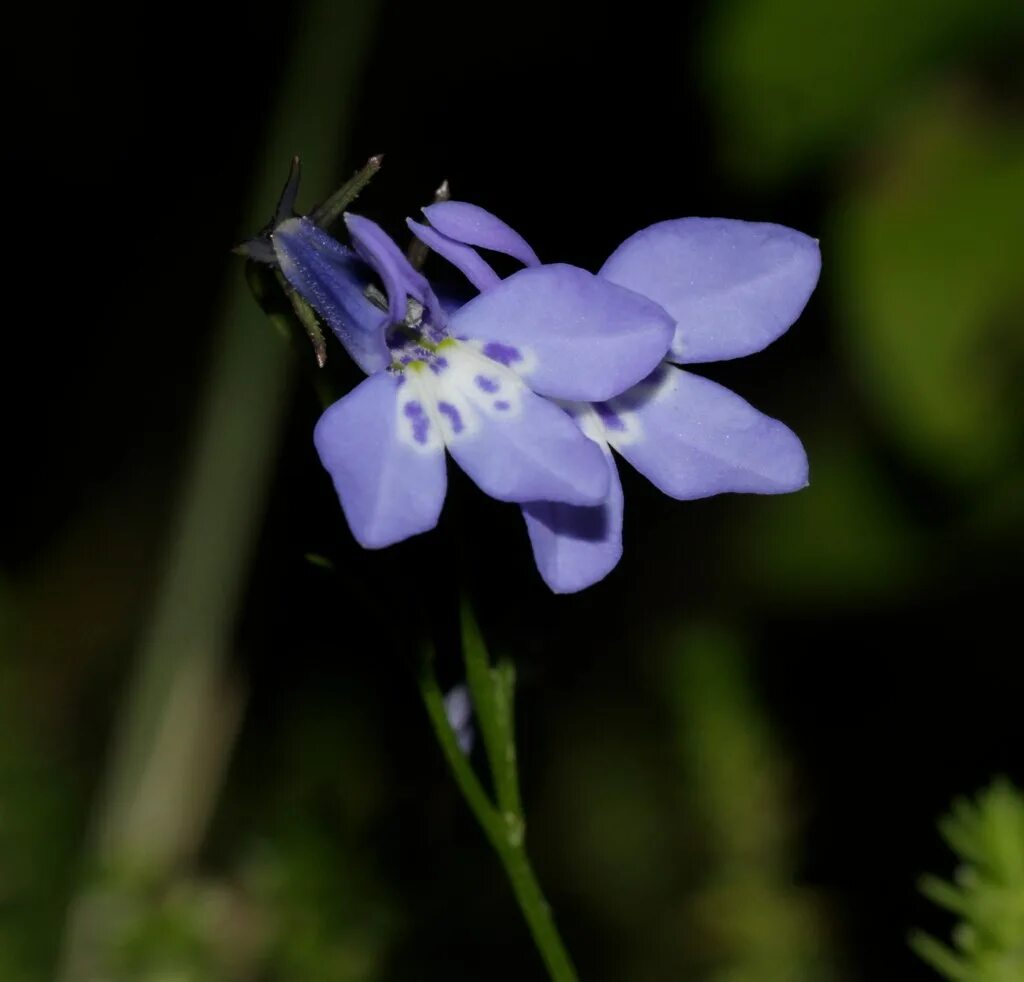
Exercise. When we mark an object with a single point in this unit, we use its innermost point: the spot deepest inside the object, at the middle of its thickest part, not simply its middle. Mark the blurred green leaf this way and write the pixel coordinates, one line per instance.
(843, 540)
(793, 81)
(747, 922)
(726, 747)
(928, 256)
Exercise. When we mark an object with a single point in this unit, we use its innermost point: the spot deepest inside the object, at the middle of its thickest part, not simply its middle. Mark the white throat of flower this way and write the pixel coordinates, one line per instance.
(447, 397)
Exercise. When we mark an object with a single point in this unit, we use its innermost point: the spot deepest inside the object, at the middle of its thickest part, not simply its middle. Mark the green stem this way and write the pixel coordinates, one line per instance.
(504, 830)
(538, 914)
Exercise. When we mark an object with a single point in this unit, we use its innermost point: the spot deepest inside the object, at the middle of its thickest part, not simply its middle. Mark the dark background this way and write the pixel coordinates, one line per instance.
(734, 749)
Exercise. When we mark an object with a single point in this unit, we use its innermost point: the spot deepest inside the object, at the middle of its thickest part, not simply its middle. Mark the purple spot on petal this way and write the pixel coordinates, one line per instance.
(608, 416)
(485, 384)
(420, 423)
(501, 404)
(438, 365)
(503, 353)
(453, 415)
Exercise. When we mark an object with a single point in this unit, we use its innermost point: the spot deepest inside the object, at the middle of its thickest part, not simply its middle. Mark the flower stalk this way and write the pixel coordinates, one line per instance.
(492, 688)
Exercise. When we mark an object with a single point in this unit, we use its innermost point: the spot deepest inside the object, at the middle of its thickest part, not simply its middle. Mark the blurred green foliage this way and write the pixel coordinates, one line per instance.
(927, 254)
(679, 827)
(987, 893)
(752, 921)
(327, 915)
(795, 83)
(40, 814)
(921, 154)
(851, 542)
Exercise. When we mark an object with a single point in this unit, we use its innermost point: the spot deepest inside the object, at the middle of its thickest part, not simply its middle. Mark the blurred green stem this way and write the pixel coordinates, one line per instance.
(503, 824)
(173, 739)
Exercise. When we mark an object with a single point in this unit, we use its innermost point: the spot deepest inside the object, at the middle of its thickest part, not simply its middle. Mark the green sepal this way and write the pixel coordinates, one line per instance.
(308, 320)
(327, 213)
(493, 692)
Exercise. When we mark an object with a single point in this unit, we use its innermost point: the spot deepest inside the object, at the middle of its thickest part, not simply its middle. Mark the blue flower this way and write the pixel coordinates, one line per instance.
(730, 288)
(472, 381)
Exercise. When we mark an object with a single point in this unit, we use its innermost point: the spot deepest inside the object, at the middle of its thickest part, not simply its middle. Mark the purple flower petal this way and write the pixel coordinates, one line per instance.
(389, 262)
(570, 334)
(388, 470)
(474, 226)
(693, 438)
(331, 279)
(467, 260)
(574, 546)
(733, 287)
(515, 445)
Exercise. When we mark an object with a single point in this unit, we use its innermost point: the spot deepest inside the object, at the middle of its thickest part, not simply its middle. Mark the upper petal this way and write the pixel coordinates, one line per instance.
(515, 445)
(387, 465)
(733, 287)
(576, 546)
(392, 266)
(693, 438)
(474, 225)
(331, 279)
(570, 334)
(464, 258)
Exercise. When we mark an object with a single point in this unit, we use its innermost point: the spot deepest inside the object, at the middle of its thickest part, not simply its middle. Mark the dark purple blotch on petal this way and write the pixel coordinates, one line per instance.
(504, 354)
(609, 417)
(453, 415)
(587, 523)
(420, 423)
(502, 405)
(485, 384)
